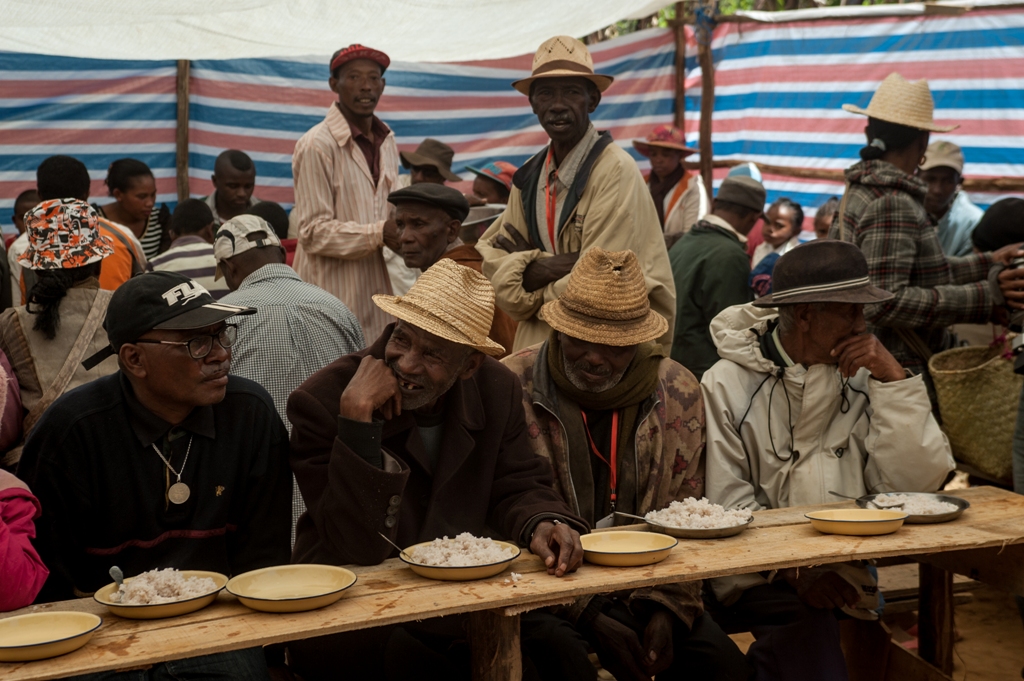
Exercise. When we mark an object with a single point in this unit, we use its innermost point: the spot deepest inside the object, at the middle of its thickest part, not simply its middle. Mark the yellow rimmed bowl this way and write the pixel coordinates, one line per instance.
(291, 588)
(857, 522)
(161, 610)
(626, 548)
(45, 634)
(458, 573)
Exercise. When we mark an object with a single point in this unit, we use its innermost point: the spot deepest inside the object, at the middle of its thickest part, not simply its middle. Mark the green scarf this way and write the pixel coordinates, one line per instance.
(637, 384)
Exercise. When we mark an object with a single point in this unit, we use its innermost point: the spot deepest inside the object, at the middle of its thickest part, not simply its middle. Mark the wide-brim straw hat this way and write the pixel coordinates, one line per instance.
(822, 271)
(903, 102)
(560, 57)
(666, 137)
(605, 301)
(450, 301)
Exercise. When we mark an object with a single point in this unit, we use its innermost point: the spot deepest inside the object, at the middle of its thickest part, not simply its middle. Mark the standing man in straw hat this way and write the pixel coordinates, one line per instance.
(590, 392)
(882, 212)
(679, 195)
(955, 215)
(581, 191)
(803, 402)
(344, 169)
(419, 436)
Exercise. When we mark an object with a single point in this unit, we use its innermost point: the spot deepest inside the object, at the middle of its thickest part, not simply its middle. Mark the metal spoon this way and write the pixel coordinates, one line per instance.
(117, 576)
(630, 515)
(401, 551)
(872, 502)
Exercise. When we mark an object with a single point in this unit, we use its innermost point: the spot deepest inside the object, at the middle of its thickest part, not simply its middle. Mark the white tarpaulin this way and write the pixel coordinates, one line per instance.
(407, 30)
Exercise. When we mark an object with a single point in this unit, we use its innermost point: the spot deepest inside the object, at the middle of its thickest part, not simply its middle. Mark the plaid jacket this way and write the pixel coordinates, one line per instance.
(885, 217)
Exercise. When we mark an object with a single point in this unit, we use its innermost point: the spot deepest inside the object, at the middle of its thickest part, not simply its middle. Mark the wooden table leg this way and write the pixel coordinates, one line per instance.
(494, 646)
(935, 634)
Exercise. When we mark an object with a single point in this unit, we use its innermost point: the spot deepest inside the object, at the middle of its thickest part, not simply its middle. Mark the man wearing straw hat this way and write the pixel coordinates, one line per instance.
(679, 195)
(581, 191)
(805, 402)
(882, 212)
(604, 402)
(417, 437)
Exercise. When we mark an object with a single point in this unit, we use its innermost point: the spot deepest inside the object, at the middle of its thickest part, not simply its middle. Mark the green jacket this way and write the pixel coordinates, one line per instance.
(711, 271)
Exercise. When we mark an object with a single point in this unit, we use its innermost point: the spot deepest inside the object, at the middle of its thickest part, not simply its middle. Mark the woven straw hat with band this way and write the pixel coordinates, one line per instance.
(450, 301)
(560, 57)
(605, 301)
(903, 102)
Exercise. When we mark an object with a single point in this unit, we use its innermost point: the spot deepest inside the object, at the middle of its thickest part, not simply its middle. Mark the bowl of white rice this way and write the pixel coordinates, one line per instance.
(461, 558)
(698, 519)
(921, 508)
(162, 593)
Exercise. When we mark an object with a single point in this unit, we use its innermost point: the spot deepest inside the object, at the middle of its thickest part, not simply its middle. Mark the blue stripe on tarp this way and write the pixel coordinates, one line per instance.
(17, 61)
(100, 111)
(996, 99)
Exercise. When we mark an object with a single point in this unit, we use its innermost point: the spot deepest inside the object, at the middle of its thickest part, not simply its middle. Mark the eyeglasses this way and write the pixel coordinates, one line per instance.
(200, 346)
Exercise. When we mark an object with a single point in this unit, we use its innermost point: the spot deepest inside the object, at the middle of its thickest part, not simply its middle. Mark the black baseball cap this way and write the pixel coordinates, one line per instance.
(159, 300)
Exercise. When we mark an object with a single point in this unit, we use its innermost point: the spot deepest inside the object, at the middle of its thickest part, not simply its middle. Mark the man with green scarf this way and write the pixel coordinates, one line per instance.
(623, 427)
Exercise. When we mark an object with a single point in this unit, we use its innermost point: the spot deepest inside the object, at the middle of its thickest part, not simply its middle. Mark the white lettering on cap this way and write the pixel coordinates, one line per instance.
(184, 292)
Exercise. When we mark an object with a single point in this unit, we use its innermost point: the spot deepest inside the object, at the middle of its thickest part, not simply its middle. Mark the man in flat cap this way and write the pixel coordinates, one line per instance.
(804, 402)
(417, 437)
(168, 463)
(344, 169)
(429, 218)
(623, 427)
(581, 191)
(712, 270)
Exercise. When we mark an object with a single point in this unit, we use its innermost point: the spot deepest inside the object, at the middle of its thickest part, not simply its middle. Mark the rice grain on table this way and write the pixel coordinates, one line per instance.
(164, 586)
(915, 505)
(464, 550)
(698, 514)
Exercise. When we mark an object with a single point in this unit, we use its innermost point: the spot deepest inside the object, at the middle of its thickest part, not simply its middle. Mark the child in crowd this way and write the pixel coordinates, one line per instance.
(824, 216)
(781, 231)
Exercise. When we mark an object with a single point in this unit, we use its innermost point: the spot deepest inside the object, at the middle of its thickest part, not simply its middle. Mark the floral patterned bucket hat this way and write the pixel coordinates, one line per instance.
(63, 234)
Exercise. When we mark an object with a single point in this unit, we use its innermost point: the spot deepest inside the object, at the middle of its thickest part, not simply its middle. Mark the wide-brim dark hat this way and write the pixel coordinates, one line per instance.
(431, 152)
(824, 271)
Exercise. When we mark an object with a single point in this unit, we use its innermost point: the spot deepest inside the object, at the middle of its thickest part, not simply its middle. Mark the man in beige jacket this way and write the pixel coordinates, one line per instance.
(579, 192)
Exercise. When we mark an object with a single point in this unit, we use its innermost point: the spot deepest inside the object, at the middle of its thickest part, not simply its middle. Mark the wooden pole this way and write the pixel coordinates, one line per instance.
(680, 34)
(935, 618)
(494, 651)
(181, 136)
(707, 97)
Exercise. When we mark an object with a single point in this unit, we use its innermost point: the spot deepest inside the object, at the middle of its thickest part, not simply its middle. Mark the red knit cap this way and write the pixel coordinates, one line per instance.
(357, 51)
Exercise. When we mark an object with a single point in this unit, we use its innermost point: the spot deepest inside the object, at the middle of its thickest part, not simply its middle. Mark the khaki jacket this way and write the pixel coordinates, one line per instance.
(615, 211)
(668, 461)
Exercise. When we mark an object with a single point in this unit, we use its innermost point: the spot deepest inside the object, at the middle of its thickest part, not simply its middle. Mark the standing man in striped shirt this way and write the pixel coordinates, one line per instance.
(344, 169)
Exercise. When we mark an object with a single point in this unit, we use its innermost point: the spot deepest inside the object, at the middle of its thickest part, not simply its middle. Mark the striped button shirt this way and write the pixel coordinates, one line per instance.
(339, 217)
(192, 256)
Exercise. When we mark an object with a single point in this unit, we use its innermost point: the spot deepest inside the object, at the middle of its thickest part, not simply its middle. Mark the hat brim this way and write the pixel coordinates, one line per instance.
(865, 295)
(481, 173)
(898, 121)
(605, 332)
(601, 80)
(420, 318)
(207, 315)
(411, 158)
(644, 147)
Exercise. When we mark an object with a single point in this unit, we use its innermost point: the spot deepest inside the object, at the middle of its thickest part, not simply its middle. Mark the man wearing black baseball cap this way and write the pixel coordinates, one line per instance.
(167, 463)
(805, 402)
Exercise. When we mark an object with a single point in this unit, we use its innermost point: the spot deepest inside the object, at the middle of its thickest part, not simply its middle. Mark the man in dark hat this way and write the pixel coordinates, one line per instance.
(711, 269)
(804, 402)
(431, 163)
(429, 218)
(168, 463)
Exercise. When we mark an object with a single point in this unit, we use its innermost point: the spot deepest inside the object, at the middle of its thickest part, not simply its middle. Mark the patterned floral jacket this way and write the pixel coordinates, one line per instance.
(669, 452)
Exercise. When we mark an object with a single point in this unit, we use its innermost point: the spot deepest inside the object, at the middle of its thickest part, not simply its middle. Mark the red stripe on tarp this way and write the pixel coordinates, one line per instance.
(38, 89)
(826, 74)
(86, 136)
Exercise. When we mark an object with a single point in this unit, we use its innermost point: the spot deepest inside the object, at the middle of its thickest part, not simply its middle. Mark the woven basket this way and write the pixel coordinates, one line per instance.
(978, 394)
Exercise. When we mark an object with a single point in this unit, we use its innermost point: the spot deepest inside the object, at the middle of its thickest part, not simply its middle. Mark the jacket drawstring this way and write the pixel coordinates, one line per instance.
(844, 401)
(789, 406)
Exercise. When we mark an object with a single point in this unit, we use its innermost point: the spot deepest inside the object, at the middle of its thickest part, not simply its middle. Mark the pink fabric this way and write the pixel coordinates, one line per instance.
(22, 572)
(11, 413)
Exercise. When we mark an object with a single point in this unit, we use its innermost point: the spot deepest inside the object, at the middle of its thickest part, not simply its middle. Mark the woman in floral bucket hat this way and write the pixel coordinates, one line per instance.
(46, 339)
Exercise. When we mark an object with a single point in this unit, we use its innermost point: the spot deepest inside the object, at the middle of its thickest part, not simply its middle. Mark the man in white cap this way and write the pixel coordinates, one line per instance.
(417, 437)
(955, 215)
(297, 328)
(581, 191)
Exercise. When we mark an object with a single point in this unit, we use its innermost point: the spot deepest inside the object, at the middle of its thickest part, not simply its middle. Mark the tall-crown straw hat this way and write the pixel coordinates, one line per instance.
(898, 100)
(560, 57)
(605, 301)
(450, 301)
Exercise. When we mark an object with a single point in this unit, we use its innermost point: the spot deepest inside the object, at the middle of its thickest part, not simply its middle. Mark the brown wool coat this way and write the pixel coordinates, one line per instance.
(488, 480)
(669, 461)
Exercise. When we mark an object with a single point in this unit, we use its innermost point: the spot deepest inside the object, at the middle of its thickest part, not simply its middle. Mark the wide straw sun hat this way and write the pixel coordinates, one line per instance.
(450, 301)
(605, 301)
(903, 102)
(560, 57)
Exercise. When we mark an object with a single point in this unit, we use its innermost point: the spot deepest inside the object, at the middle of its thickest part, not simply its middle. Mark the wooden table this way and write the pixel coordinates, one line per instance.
(987, 543)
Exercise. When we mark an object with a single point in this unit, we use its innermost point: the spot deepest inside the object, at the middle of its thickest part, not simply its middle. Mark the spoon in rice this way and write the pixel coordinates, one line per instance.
(630, 515)
(401, 551)
(873, 502)
(118, 576)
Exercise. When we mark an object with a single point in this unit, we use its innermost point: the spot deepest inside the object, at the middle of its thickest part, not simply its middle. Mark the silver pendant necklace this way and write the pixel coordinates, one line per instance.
(179, 492)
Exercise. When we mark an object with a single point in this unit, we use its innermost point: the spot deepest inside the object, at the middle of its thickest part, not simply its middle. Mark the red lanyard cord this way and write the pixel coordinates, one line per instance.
(613, 464)
(550, 200)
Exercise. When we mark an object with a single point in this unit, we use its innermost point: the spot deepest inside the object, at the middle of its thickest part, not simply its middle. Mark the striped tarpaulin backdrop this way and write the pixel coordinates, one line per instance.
(779, 89)
(95, 110)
